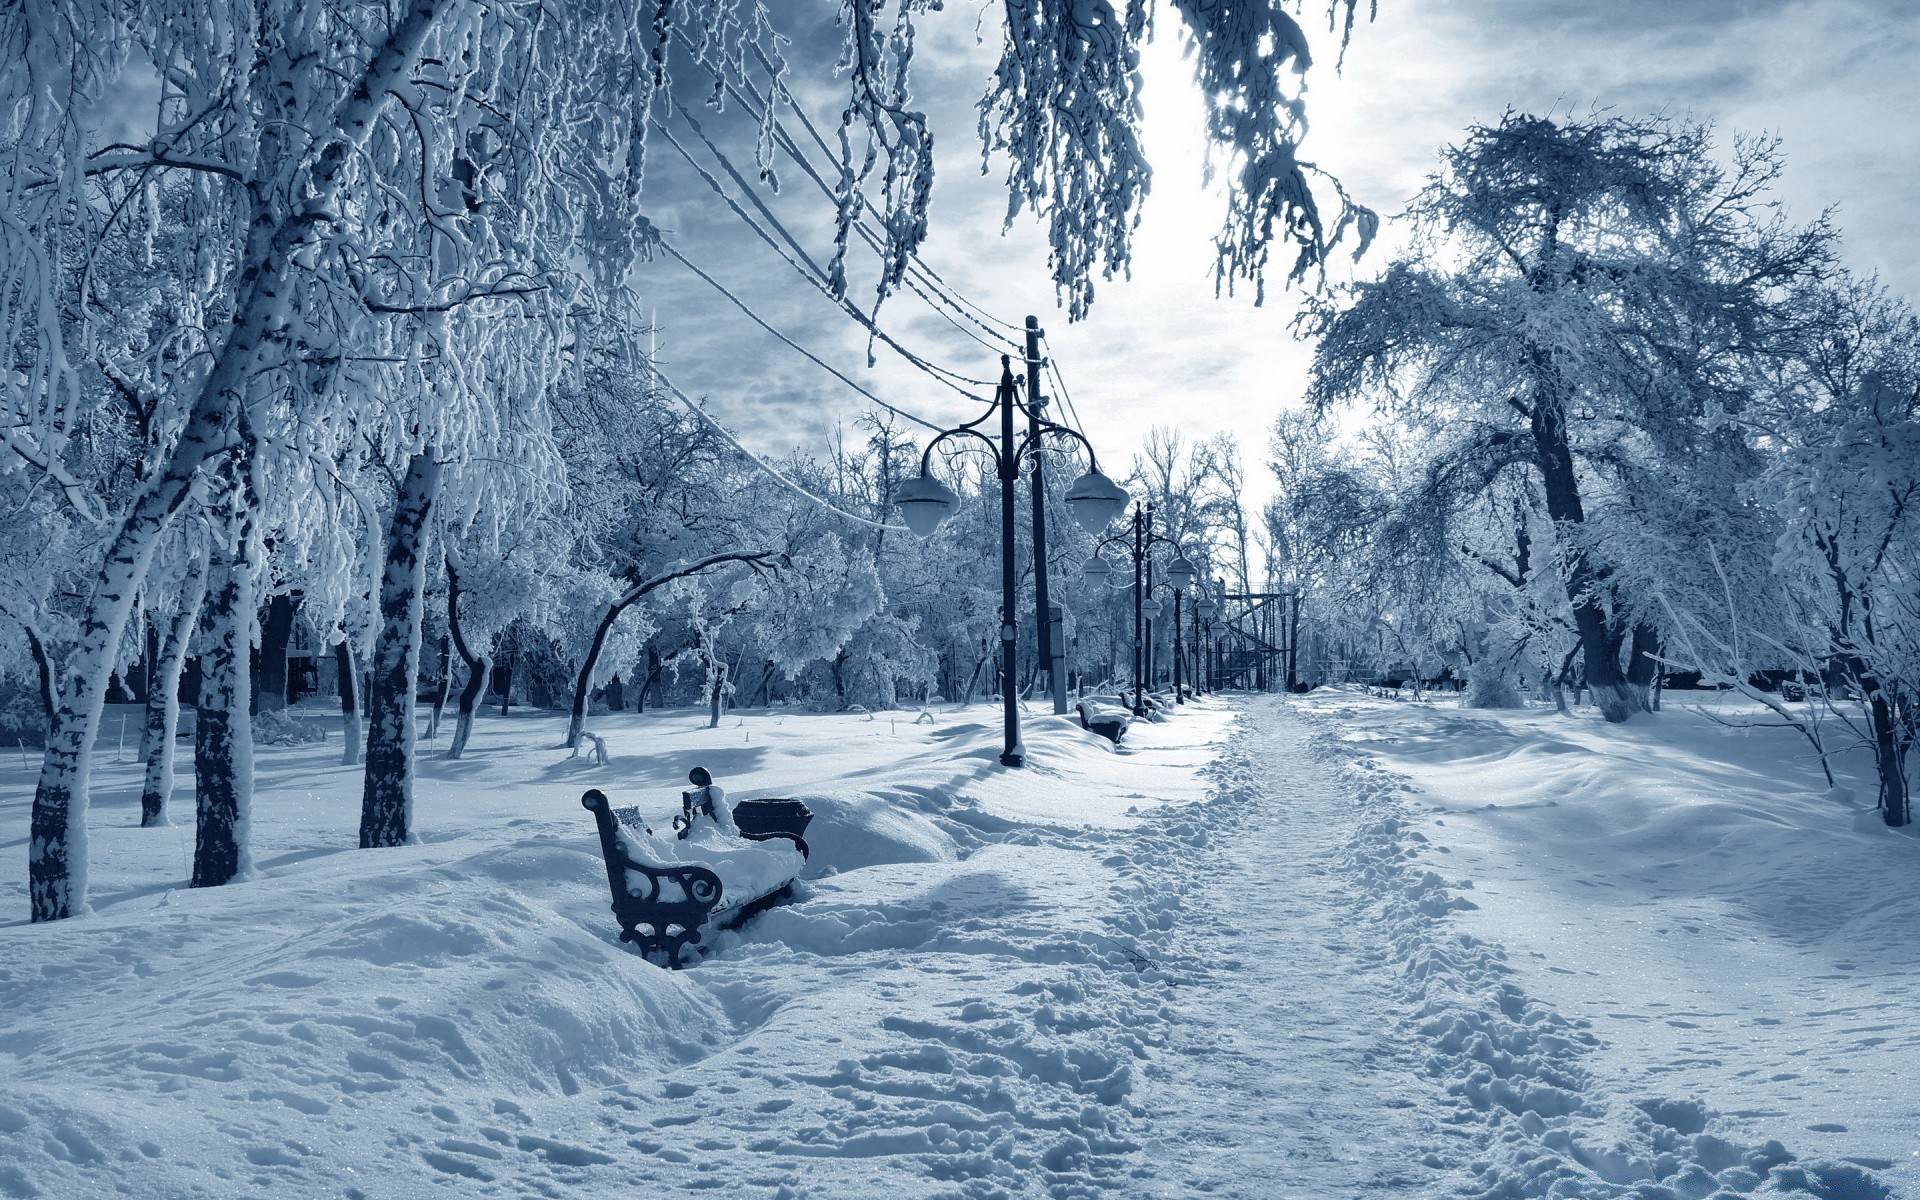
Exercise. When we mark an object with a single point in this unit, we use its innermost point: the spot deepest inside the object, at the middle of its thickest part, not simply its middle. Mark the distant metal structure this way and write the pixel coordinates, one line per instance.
(1259, 643)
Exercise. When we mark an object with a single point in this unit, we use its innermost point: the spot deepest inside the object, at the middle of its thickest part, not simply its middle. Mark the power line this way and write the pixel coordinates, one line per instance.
(764, 465)
(809, 355)
(760, 107)
(796, 256)
(1060, 382)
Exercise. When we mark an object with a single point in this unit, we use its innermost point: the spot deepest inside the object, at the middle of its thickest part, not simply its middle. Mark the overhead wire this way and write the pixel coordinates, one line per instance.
(919, 278)
(1060, 382)
(813, 132)
(943, 296)
(773, 472)
(809, 355)
(796, 256)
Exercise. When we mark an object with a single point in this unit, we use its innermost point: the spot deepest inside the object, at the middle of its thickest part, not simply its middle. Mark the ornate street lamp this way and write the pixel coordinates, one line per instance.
(925, 503)
(1145, 608)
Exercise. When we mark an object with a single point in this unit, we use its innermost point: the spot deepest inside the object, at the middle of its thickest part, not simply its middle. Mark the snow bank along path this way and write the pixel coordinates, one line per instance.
(1212, 961)
(1543, 1103)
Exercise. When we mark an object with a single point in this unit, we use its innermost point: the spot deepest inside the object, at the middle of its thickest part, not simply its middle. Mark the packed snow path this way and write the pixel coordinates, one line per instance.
(1283, 1022)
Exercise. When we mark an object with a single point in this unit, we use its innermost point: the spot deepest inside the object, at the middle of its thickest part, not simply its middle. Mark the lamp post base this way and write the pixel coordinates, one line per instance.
(1010, 759)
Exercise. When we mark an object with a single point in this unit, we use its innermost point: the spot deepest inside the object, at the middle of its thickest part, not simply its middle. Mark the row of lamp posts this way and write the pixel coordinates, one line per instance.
(1094, 501)
(1139, 546)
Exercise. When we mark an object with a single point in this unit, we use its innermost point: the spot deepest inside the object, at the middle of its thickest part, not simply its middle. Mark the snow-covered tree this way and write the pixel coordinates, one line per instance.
(1580, 306)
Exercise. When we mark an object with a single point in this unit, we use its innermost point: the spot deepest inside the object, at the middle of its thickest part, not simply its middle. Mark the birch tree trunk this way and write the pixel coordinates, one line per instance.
(57, 836)
(163, 699)
(386, 800)
(223, 723)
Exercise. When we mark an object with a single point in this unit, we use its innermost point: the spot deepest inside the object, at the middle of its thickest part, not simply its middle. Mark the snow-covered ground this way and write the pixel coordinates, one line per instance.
(1234, 957)
(1692, 891)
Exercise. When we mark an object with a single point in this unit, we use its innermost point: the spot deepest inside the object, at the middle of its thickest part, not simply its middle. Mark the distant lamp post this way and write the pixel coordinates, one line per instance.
(1180, 575)
(1203, 610)
(1146, 609)
(925, 503)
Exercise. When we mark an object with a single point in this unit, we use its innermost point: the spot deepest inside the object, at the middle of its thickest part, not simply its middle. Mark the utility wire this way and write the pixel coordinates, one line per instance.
(796, 256)
(809, 355)
(773, 472)
(1060, 382)
(961, 304)
(943, 295)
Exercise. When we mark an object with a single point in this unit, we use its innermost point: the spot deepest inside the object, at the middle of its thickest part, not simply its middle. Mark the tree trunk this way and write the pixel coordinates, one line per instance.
(276, 631)
(350, 730)
(583, 682)
(478, 667)
(1642, 670)
(504, 677)
(441, 688)
(1889, 747)
(223, 721)
(717, 686)
(163, 700)
(654, 666)
(57, 837)
(1889, 757)
(386, 802)
(1599, 643)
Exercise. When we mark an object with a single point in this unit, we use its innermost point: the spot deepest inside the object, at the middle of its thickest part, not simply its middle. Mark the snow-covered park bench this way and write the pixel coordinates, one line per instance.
(1108, 718)
(715, 874)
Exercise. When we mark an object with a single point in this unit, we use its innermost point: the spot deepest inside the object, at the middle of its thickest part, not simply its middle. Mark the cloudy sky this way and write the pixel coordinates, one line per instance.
(1838, 80)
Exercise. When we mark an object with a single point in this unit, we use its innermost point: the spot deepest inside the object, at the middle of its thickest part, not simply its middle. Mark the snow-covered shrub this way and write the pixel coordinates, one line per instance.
(21, 720)
(280, 729)
(1489, 685)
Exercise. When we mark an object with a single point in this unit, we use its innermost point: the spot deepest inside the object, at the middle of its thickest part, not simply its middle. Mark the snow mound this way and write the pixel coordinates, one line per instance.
(851, 830)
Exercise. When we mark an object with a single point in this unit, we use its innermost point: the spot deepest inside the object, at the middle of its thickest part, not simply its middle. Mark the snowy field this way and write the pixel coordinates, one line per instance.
(1323, 948)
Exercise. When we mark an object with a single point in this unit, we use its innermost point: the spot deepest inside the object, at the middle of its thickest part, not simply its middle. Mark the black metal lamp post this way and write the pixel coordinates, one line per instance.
(1180, 575)
(1145, 607)
(925, 502)
(1203, 611)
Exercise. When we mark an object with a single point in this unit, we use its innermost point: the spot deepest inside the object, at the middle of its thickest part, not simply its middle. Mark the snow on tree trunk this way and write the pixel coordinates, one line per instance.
(477, 672)
(163, 700)
(717, 687)
(386, 802)
(223, 723)
(350, 731)
(57, 833)
(1643, 672)
(583, 682)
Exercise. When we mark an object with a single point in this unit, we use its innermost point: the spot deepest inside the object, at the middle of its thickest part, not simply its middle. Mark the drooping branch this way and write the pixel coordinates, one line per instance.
(758, 560)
